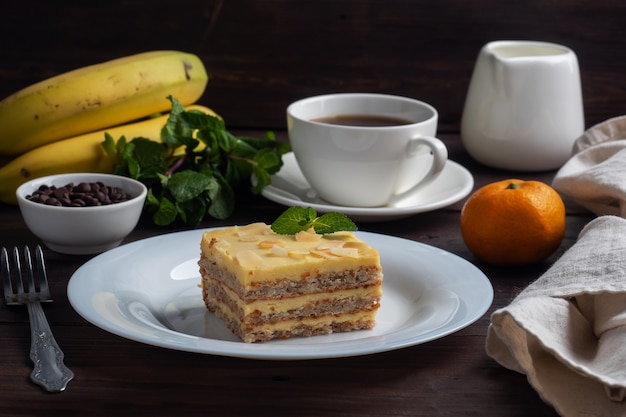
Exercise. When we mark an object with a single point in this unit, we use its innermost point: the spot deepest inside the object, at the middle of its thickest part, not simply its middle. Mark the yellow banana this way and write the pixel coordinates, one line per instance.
(83, 153)
(98, 96)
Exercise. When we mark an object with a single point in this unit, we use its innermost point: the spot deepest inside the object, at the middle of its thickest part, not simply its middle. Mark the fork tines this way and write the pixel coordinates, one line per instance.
(23, 279)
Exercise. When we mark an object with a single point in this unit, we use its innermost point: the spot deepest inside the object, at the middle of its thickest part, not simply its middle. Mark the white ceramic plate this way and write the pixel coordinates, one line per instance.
(290, 188)
(148, 291)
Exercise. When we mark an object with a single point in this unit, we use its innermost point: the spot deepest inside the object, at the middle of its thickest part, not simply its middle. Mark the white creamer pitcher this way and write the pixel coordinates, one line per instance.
(524, 107)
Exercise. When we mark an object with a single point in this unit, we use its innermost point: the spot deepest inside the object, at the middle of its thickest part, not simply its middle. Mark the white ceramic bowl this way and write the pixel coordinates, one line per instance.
(82, 230)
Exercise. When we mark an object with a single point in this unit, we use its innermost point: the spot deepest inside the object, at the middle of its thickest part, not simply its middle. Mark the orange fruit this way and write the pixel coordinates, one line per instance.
(513, 222)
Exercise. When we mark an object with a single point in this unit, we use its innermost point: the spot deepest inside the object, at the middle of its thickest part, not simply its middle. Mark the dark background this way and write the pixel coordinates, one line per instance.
(264, 54)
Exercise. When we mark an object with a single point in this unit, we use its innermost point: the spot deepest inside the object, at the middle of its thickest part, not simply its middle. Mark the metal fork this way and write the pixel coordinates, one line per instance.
(25, 286)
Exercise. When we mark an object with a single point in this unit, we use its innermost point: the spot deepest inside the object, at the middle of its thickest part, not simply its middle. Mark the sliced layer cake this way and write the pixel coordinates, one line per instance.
(267, 286)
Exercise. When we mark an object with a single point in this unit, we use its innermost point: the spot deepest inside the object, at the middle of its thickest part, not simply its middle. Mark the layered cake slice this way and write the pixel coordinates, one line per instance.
(268, 286)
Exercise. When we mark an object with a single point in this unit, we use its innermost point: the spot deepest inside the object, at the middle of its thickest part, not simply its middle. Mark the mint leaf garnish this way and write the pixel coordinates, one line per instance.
(297, 219)
(333, 222)
(199, 169)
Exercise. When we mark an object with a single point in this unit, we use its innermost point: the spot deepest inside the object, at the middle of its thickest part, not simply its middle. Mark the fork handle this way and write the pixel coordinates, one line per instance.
(50, 372)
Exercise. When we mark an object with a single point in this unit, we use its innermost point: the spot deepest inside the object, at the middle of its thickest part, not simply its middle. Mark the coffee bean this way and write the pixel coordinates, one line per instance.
(83, 194)
(61, 193)
(83, 187)
(53, 202)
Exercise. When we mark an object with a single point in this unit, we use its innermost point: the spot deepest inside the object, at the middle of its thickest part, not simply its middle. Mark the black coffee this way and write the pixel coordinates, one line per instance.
(362, 120)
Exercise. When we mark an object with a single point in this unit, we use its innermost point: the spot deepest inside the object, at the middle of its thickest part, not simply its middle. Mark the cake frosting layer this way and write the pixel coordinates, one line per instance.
(254, 253)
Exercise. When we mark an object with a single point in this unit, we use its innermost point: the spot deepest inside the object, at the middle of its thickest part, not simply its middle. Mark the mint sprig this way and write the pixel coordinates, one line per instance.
(296, 219)
(188, 182)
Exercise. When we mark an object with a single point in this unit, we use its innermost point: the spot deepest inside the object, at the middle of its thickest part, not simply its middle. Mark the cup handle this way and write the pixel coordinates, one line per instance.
(440, 157)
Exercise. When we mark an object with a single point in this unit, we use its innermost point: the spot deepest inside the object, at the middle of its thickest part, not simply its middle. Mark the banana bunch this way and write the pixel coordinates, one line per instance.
(58, 125)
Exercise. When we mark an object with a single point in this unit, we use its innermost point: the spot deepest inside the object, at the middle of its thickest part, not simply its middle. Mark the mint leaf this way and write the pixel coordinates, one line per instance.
(149, 158)
(199, 168)
(109, 145)
(188, 185)
(191, 211)
(164, 211)
(333, 222)
(222, 202)
(296, 219)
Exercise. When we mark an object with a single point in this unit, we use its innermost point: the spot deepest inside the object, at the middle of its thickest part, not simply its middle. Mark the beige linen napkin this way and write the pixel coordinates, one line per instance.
(567, 330)
(595, 176)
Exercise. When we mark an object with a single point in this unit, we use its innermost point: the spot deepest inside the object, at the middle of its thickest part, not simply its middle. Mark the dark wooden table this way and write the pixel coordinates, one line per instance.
(451, 376)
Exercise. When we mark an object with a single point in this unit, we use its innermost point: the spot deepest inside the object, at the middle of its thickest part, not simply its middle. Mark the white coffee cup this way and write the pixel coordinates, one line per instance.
(365, 166)
(524, 106)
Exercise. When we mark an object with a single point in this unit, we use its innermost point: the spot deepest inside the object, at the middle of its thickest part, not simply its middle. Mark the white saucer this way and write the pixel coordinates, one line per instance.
(290, 188)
